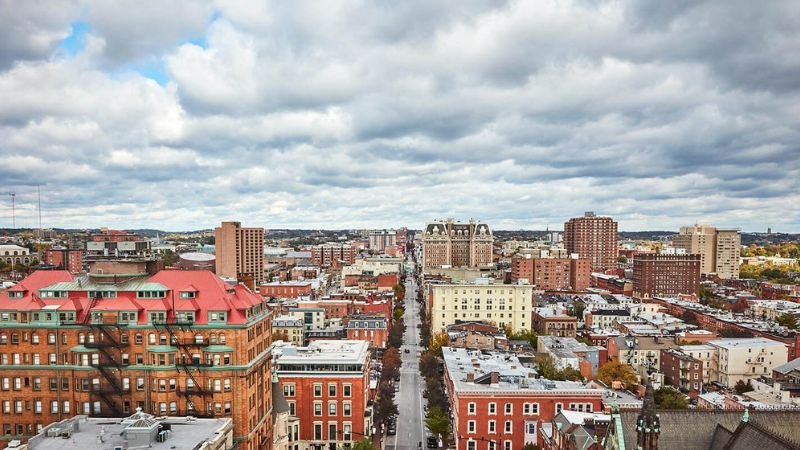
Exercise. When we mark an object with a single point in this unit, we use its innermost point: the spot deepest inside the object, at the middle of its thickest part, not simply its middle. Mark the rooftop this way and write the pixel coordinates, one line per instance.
(96, 433)
(746, 343)
(322, 352)
(462, 364)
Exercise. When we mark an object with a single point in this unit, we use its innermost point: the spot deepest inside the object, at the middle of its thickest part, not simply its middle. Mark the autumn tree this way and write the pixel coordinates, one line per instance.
(741, 387)
(429, 365)
(615, 371)
(439, 340)
(391, 364)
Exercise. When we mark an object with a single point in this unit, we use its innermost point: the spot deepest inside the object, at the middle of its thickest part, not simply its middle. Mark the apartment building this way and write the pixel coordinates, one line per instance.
(373, 328)
(457, 244)
(681, 370)
(718, 248)
(240, 253)
(499, 404)
(552, 274)
(554, 321)
(665, 275)
(331, 254)
(742, 359)
(327, 387)
(709, 358)
(594, 238)
(500, 305)
(107, 343)
(380, 240)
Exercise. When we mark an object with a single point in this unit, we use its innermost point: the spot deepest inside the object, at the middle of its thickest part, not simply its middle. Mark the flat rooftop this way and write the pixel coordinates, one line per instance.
(512, 375)
(746, 343)
(184, 434)
(323, 352)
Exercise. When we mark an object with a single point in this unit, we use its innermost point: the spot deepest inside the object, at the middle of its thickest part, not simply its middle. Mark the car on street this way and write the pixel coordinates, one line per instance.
(406, 351)
(433, 442)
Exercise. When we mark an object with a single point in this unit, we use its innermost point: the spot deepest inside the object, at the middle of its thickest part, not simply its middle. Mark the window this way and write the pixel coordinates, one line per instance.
(559, 407)
(492, 408)
(507, 445)
(509, 408)
(471, 408)
(34, 338)
(288, 390)
(508, 427)
(317, 390)
(332, 431)
(470, 445)
(54, 407)
(317, 409)
(492, 426)
(471, 426)
(331, 390)
(318, 431)
(331, 408)
(346, 388)
(347, 409)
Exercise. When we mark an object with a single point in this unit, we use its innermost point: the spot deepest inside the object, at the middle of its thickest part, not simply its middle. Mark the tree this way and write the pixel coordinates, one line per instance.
(669, 398)
(689, 317)
(787, 320)
(704, 294)
(622, 259)
(169, 257)
(437, 422)
(385, 407)
(741, 387)
(435, 394)
(396, 331)
(523, 335)
(363, 444)
(439, 340)
(398, 313)
(616, 371)
(399, 291)
(429, 365)
(547, 369)
(391, 364)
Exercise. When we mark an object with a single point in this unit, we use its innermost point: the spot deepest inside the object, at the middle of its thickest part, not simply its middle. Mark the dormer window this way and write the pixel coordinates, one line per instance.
(187, 294)
(217, 317)
(16, 294)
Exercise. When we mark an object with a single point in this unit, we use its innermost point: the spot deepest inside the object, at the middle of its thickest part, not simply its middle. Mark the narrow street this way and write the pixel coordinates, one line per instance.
(410, 421)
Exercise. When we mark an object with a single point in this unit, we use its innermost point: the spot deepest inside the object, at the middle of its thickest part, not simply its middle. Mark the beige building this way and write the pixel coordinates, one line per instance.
(742, 359)
(709, 355)
(500, 305)
(718, 249)
(240, 253)
(457, 244)
(292, 326)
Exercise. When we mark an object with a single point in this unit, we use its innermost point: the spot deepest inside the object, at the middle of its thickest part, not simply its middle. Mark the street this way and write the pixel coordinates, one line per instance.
(410, 421)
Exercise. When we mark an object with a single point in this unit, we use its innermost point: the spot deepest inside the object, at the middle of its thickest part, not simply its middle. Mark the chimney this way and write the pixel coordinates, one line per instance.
(470, 377)
(495, 378)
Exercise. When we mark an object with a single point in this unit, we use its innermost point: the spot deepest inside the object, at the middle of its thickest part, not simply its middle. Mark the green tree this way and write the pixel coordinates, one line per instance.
(398, 313)
(438, 423)
(669, 398)
(429, 365)
(616, 371)
(363, 444)
(169, 257)
(741, 387)
(399, 291)
(523, 335)
(435, 394)
(704, 294)
(787, 320)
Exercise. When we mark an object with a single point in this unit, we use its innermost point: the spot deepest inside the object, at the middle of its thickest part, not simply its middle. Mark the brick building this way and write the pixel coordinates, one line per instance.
(240, 253)
(368, 327)
(499, 404)
(554, 322)
(286, 289)
(104, 344)
(457, 244)
(655, 275)
(327, 255)
(594, 238)
(552, 274)
(63, 258)
(327, 387)
(682, 370)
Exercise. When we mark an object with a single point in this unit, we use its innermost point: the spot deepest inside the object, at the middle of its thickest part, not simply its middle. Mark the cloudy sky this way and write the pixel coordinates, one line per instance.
(179, 114)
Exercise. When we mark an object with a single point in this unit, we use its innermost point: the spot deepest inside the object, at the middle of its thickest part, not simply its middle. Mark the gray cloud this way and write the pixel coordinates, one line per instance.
(340, 114)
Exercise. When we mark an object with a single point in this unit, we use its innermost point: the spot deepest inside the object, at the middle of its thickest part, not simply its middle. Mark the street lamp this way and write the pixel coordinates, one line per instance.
(483, 439)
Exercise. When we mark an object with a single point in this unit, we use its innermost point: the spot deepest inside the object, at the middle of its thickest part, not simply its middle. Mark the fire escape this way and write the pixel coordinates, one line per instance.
(109, 363)
(190, 365)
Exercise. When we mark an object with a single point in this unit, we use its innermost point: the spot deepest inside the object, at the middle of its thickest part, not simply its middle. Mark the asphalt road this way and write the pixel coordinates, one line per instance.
(410, 421)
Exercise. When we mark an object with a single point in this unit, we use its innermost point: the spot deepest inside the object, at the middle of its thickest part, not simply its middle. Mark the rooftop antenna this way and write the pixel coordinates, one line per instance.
(39, 196)
(13, 210)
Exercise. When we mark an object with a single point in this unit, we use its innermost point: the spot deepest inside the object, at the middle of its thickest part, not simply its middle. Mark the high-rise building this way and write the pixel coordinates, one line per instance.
(594, 238)
(718, 249)
(457, 244)
(657, 275)
(380, 240)
(332, 254)
(240, 253)
(178, 343)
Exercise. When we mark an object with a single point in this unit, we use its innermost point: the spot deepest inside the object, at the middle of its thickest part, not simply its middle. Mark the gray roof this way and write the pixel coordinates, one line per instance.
(279, 403)
(788, 367)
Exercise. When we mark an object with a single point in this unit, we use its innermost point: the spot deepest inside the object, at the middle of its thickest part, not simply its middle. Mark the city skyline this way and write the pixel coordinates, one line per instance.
(351, 115)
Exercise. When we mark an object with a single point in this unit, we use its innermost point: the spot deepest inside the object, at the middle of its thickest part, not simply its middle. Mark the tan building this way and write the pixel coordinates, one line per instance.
(742, 359)
(240, 253)
(500, 305)
(457, 244)
(594, 238)
(718, 249)
(291, 326)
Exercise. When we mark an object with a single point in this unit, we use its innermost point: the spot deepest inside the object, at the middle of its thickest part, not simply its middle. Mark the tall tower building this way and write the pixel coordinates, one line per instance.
(594, 238)
(457, 244)
(718, 249)
(240, 253)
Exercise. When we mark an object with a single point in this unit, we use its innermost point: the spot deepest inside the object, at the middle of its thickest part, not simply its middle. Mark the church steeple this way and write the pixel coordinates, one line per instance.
(648, 425)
